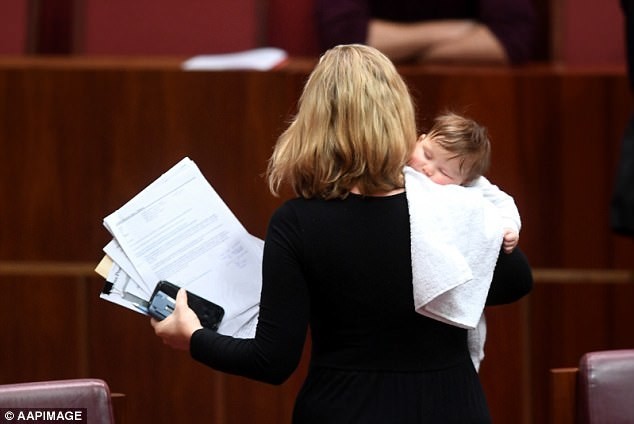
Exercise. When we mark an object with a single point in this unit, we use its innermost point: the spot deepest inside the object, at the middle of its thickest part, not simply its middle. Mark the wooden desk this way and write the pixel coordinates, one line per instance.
(81, 136)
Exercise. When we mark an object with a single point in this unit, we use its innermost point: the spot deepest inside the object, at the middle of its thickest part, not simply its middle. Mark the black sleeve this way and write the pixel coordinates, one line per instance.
(276, 350)
(512, 278)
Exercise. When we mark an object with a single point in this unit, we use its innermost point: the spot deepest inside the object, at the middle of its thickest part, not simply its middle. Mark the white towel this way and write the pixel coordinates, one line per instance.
(475, 341)
(456, 237)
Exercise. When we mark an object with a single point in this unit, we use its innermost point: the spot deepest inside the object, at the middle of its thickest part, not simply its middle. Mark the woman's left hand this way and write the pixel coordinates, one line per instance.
(176, 330)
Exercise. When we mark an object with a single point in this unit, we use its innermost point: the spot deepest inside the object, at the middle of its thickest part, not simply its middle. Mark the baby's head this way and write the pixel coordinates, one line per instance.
(456, 150)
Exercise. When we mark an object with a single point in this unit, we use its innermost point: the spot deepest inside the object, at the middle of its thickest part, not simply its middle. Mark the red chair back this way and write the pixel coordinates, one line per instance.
(90, 394)
(606, 387)
(13, 27)
(168, 27)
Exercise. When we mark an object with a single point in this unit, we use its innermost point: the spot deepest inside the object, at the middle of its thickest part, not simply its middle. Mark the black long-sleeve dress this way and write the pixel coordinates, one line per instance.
(344, 268)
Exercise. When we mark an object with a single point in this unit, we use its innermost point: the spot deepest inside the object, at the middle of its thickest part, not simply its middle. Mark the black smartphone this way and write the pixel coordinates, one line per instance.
(163, 301)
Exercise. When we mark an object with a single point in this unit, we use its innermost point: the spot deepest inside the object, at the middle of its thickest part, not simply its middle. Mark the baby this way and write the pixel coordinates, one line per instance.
(457, 150)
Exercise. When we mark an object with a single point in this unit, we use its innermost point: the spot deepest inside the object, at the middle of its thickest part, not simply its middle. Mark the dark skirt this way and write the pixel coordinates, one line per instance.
(334, 396)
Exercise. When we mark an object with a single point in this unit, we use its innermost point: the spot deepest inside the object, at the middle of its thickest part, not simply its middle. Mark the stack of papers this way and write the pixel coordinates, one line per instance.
(178, 229)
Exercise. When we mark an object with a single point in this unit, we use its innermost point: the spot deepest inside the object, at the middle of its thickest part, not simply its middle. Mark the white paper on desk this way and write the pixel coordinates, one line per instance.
(261, 59)
(179, 229)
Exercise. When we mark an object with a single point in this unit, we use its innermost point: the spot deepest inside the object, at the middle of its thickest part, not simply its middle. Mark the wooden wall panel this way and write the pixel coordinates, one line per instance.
(538, 164)
(586, 146)
(506, 348)
(82, 137)
(132, 127)
(44, 332)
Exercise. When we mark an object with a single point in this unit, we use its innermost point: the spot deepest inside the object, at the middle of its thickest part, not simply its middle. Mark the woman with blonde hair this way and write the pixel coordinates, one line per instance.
(337, 259)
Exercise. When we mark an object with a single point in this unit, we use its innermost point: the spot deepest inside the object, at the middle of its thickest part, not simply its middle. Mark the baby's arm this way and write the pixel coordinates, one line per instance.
(511, 221)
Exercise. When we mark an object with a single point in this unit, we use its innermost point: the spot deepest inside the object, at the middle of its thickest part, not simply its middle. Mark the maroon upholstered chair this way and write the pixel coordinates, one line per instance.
(599, 391)
(13, 27)
(91, 394)
(605, 389)
(167, 27)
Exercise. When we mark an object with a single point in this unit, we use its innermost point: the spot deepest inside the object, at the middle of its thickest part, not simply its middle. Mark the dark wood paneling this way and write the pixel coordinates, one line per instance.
(94, 139)
(44, 334)
(505, 364)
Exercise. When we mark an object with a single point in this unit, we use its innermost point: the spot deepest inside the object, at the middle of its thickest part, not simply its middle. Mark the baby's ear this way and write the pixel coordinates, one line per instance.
(421, 137)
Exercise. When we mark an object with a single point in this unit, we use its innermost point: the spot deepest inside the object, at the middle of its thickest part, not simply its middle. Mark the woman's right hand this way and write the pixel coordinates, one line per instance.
(176, 330)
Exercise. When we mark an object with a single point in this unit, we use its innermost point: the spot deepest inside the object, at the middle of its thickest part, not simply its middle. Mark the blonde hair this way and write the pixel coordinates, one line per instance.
(355, 127)
(466, 139)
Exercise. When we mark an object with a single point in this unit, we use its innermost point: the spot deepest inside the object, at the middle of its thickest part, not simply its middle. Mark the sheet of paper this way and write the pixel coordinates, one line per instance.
(178, 229)
(120, 291)
(261, 59)
(118, 256)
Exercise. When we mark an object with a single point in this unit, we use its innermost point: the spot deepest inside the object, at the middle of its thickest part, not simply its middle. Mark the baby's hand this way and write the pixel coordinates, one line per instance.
(511, 238)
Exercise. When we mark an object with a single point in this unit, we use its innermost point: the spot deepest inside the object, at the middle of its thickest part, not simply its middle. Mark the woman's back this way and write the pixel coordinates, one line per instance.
(374, 359)
(356, 256)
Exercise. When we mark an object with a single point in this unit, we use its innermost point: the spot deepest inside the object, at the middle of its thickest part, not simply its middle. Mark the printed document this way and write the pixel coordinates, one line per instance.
(178, 229)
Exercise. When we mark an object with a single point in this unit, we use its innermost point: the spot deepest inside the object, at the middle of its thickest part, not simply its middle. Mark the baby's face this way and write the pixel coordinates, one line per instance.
(435, 162)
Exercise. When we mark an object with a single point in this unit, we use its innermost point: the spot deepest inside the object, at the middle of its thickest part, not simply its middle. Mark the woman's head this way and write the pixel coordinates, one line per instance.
(355, 127)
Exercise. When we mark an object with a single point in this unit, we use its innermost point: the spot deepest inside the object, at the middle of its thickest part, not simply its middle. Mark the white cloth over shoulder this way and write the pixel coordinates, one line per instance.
(456, 236)
(502, 201)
